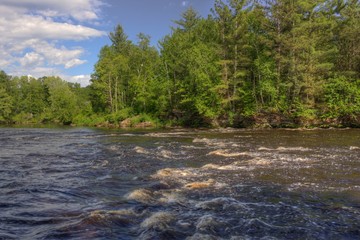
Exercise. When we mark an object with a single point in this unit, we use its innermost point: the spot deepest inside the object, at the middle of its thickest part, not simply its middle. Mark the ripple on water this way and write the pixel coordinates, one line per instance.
(141, 195)
(158, 221)
(207, 185)
(227, 153)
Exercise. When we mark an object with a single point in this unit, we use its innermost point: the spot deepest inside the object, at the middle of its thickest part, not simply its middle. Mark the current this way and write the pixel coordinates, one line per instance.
(84, 183)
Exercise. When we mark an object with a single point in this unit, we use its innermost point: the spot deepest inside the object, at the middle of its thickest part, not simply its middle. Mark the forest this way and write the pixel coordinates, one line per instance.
(258, 63)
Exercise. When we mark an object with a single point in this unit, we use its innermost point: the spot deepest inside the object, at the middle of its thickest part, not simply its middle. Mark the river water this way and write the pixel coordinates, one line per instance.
(79, 183)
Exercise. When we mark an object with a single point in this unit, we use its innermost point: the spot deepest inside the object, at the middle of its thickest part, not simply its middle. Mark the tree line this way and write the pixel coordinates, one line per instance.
(26, 100)
(272, 62)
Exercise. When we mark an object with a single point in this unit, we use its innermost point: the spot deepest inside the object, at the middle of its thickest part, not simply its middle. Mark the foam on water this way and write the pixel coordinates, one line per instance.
(207, 185)
(210, 142)
(259, 162)
(172, 197)
(199, 236)
(141, 195)
(208, 223)
(221, 204)
(197, 185)
(141, 150)
(158, 221)
(354, 148)
(227, 153)
(284, 149)
(174, 173)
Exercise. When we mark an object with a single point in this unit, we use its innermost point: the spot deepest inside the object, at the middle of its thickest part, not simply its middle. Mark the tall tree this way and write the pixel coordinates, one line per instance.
(347, 14)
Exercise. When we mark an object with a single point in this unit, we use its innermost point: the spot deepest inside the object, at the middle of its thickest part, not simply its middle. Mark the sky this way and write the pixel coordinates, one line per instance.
(63, 37)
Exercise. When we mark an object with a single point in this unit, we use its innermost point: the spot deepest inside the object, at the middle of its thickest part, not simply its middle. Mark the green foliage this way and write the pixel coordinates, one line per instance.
(119, 116)
(298, 59)
(142, 118)
(62, 100)
(6, 104)
(88, 120)
(342, 97)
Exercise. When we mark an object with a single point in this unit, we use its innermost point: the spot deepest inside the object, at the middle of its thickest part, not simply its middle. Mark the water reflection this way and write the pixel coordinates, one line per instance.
(179, 184)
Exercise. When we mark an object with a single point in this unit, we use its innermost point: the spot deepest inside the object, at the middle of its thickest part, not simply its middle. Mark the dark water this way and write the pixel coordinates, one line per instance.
(179, 184)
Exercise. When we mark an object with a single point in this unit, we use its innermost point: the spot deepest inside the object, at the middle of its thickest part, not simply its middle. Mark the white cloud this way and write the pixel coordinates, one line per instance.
(83, 80)
(33, 34)
(57, 55)
(58, 8)
(36, 72)
(31, 59)
(29, 26)
(74, 62)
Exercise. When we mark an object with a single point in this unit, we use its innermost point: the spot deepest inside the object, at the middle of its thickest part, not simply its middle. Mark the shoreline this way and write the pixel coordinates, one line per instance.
(246, 124)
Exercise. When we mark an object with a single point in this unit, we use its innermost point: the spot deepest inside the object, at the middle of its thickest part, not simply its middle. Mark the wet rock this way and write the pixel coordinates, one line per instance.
(160, 185)
(264, 120)
(144, 125)
(125, 123)
(107, 217)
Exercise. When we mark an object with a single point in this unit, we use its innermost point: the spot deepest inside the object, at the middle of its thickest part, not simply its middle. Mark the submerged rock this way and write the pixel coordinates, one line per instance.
(108, 217)
(141, 195)
(195, 185)
(158, 221)
(171, 172)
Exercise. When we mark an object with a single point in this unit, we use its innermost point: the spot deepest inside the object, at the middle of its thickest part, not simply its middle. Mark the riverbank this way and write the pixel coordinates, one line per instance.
(287, 121)
(256, 121)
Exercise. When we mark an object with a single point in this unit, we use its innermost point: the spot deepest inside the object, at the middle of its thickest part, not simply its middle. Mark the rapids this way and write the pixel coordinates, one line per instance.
(81, 183)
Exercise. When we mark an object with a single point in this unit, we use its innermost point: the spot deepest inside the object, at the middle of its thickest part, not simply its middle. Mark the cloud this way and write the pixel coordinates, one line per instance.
(74, 62)
(35, 33)
(31, 59)
(81, 10)
(28, 27)
(83, 80)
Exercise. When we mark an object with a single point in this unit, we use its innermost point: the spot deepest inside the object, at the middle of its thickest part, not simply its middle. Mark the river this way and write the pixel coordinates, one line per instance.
(81, 183)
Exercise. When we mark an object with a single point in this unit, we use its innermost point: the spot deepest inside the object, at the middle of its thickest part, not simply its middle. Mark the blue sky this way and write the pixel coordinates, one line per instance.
(63, 38)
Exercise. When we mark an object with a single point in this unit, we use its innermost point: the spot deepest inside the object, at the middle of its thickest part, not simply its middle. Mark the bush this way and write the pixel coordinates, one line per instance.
(342, 97)
(141, 119)
(119, 116)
